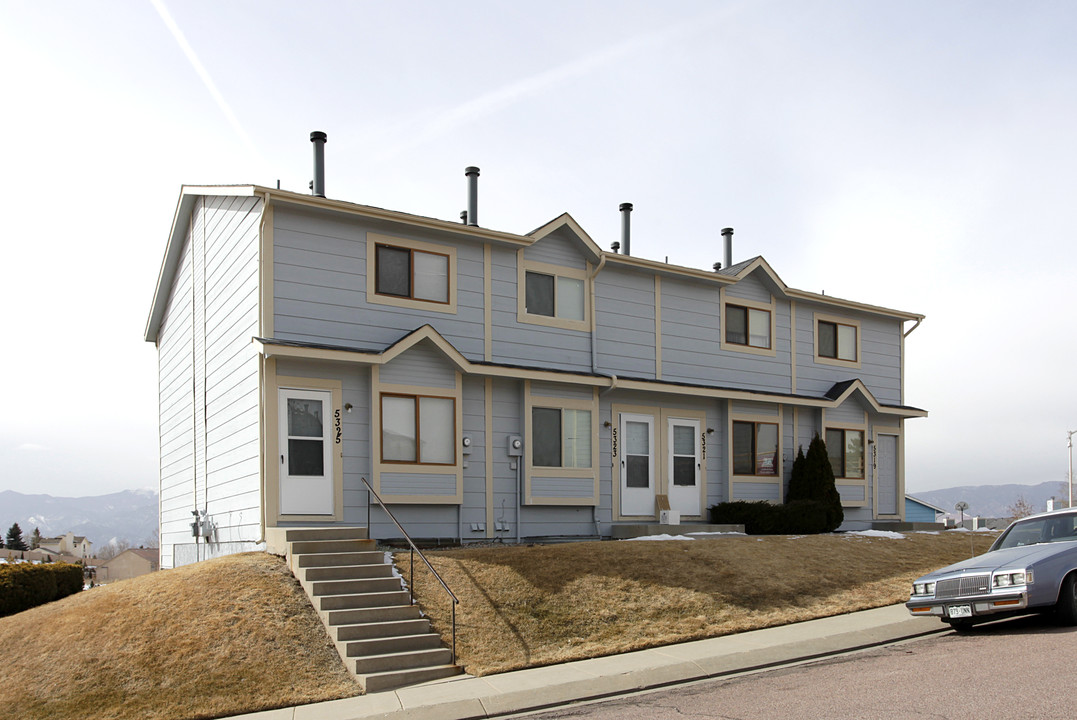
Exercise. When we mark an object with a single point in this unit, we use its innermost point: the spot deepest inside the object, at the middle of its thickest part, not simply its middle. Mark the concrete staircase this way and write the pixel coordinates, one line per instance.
(383, 639)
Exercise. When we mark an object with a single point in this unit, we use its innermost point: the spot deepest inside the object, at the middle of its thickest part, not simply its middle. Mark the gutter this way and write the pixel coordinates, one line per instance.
(909, 331)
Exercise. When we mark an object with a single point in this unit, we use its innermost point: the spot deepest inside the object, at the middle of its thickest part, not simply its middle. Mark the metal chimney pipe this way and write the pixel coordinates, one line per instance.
(727, 234)
(318, 138)
(472, 174)
(626, 227)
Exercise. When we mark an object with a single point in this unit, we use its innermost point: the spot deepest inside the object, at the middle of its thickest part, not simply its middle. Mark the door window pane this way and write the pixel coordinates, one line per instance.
(546, 437)
(759, 328)
(577, 438)
(637, 438)
(437, 432)
(569, 298)
(684, 471)
(538, 299)
(304, 417)
(743, 462)
(846, 342)
(305, 457)
(766, 449)
(637, 471)
(397, 429)
(431, 276)
(393, 272)
(684, 440)
(736, 325)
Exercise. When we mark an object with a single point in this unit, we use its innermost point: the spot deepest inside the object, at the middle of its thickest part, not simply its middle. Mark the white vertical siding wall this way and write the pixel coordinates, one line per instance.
(175, 360)
(209, 384)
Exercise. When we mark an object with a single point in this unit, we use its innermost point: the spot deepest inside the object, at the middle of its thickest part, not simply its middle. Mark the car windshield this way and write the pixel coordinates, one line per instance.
(1056, 528)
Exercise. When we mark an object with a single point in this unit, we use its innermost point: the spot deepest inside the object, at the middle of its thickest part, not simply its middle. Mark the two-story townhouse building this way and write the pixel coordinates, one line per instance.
(489, 384)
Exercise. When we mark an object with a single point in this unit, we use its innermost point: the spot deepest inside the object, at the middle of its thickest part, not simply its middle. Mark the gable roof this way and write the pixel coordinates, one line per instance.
(566, 221)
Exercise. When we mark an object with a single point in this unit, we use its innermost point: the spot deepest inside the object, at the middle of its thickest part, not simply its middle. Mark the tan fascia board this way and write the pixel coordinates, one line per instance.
(760, 263)
(393, 216)
(859, 386)
(566, 220)
(853, 305)
(269, 349)
(426, 332)
(662, 268)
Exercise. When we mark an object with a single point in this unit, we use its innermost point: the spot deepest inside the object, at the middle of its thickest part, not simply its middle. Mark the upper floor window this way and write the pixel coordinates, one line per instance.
(554, 296)
(408, 273)
(418, 429)
(411, 273)
(837, 341)
(755, 448)
(747, 326)
(846, 451)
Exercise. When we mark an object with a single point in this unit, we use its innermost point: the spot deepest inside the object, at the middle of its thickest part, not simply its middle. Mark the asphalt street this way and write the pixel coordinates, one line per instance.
(1020, 668)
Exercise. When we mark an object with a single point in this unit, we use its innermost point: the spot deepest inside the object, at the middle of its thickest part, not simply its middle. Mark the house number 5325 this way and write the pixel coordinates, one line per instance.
(336, 425)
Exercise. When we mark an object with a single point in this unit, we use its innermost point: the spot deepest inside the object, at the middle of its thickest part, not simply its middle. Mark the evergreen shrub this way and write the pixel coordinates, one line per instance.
(24, 585)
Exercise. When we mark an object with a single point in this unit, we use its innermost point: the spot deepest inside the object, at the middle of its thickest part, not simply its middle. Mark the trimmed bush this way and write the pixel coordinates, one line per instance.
(23, 585)
(799, 517)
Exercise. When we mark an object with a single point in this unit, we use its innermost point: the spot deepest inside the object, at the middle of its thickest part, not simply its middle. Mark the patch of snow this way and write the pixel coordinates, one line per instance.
(958, 529)
(661, 537)
(926, 532)
(878, 534)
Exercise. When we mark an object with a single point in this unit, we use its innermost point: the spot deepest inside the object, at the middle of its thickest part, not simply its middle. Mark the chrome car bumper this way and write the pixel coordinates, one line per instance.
(952, 608)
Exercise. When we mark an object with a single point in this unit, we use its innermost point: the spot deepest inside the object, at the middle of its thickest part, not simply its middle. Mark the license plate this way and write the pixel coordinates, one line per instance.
(959, 611)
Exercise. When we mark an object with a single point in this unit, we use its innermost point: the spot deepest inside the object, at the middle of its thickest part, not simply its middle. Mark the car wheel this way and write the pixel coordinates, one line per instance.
(1066, 607)
(961, 625)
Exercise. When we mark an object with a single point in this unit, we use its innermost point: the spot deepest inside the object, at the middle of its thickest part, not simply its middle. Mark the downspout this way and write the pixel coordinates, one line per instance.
(909, 331)
(263, 521)
(594, 320)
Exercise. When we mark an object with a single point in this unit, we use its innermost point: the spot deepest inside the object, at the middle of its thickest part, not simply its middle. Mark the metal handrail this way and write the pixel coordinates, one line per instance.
(411, 558)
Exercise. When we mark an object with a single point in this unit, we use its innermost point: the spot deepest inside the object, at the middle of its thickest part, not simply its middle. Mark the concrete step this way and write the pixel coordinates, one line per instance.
(363, 600)
(390, 645)
(354, 587)
(325, 533)
(402, 660)
(392, 679)
(305, 547)
(389, 628)
(334, 559)
(390, 613)
(347, 572)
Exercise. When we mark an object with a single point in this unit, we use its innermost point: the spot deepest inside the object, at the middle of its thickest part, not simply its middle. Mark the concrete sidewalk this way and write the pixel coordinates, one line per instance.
(513, 692)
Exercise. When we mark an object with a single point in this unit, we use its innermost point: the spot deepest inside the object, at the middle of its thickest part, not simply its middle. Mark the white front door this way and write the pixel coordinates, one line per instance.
(683, 465)
(306, 460)
(637, 464)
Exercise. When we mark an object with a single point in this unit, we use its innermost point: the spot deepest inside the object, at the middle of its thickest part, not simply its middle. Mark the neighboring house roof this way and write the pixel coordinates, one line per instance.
(833, 398)
(189, 195)
(928, 505)
(153, 555)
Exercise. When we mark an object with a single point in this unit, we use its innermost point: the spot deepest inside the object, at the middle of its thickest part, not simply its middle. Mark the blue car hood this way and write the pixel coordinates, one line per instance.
(1016, 557)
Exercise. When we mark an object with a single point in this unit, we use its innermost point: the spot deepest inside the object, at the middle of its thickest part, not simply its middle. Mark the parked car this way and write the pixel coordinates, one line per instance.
(1031, 567)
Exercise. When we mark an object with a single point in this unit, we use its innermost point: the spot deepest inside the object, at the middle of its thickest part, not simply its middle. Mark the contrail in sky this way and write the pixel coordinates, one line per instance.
(204, 75)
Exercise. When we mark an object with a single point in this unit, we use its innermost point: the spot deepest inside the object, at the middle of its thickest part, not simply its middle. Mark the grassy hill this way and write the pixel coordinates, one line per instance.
(237, 634)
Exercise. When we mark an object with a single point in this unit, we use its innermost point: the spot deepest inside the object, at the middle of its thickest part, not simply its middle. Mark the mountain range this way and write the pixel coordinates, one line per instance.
(995, 501)
(129, 515)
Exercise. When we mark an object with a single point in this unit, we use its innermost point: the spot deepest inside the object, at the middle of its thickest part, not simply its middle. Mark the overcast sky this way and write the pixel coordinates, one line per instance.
(915, 155)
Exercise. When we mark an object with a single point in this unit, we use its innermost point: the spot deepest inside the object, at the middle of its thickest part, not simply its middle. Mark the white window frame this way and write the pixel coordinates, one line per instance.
(837, 320)
(525, 266)
(372, 295)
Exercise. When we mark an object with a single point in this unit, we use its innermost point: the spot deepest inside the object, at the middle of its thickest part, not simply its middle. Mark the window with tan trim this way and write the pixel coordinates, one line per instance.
(846, 451)
(552, 295)
(561, 437)
(418, 429)
(747, 326)
(755, 448)
(411, 273)
(837, 341)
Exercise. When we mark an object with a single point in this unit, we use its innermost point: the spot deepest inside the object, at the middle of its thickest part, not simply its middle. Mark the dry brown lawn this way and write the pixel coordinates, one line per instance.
(221, 637)
(528, 606)
(238, 635)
